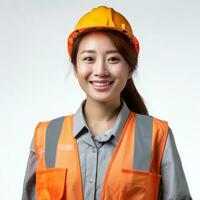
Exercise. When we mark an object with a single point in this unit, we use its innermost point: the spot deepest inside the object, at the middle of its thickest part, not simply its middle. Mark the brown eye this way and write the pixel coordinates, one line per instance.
(114, 59)
(88, 59)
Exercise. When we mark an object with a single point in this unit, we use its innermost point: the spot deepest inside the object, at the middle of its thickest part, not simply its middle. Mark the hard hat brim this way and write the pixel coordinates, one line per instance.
(78, 32)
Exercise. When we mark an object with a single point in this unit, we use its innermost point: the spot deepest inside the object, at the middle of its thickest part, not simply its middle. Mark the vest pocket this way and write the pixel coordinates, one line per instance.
(51, 183)
(140, 185)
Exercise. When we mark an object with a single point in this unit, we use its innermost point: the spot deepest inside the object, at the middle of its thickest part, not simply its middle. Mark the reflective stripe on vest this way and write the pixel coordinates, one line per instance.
(132, 173)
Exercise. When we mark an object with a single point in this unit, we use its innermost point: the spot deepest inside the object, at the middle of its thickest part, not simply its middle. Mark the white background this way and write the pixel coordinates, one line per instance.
(37, 84)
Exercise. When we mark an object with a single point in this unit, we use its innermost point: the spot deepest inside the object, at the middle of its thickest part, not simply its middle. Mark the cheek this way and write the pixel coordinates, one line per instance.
(120, 71)
(83, 71)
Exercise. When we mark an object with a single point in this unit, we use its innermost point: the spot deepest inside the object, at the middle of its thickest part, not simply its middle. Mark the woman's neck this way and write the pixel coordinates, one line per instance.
(101, 116)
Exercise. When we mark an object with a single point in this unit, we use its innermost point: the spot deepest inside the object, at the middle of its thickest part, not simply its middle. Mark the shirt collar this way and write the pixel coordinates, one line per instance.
(80, 122)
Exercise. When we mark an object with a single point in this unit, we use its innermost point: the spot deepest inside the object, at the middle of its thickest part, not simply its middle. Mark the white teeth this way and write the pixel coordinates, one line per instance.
(101, 84)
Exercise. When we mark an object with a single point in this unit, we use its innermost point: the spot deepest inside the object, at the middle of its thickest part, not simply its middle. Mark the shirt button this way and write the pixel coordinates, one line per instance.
(91, 180)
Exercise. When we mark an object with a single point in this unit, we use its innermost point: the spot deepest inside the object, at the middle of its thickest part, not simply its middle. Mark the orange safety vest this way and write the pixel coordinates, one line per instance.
(141, 145)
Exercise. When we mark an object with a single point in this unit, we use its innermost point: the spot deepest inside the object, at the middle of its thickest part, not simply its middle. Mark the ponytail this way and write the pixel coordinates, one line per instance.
(133, 99)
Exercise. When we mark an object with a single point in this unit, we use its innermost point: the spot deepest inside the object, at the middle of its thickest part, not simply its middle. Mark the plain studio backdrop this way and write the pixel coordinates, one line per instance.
(37, 81)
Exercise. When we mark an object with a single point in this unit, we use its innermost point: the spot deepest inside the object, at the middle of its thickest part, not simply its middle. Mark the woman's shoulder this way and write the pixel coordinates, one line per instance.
(152, 122)
(52, 120)
(49, 125)
(153, 118)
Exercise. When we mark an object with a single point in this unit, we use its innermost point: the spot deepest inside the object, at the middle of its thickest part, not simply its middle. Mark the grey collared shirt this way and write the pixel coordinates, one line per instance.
(95, 153)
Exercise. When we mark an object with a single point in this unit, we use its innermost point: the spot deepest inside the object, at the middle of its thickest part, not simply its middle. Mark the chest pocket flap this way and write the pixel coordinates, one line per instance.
(137, 184)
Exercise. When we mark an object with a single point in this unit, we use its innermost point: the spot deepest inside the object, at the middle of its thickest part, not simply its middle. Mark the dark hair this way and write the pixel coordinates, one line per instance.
(130, 94)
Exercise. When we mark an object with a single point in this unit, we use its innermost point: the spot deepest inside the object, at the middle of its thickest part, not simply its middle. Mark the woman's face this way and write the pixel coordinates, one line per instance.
(101, 70)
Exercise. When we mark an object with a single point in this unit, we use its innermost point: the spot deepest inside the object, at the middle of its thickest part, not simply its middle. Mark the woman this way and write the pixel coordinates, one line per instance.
(110, 148)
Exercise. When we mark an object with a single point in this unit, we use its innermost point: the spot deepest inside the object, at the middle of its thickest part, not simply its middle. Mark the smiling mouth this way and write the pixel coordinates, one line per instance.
(101, 84)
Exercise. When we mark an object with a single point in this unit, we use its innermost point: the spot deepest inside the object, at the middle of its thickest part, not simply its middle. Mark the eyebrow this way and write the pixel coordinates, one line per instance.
(92, 51)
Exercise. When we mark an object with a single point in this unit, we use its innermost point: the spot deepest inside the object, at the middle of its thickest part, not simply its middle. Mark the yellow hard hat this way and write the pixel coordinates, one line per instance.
(102, 17)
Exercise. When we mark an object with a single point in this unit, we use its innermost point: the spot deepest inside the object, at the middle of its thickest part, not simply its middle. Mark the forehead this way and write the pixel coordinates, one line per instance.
(96, 41)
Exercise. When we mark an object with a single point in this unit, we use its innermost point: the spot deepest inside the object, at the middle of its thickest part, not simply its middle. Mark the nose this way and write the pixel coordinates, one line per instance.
(100, 68)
